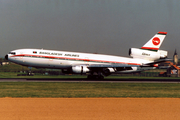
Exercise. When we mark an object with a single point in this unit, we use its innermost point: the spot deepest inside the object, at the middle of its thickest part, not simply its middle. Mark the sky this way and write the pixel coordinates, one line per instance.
(92, 26)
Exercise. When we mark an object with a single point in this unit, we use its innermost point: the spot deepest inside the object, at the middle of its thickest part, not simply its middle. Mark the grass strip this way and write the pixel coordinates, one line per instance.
(85, 90)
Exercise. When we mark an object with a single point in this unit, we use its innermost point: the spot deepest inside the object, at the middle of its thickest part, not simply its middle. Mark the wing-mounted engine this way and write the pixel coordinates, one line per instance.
(108, 71)
(80, 69)
(147, 54)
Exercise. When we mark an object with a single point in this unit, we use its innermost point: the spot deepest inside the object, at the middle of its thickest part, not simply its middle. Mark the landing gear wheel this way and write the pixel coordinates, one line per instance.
(100, 77)
(90, 77)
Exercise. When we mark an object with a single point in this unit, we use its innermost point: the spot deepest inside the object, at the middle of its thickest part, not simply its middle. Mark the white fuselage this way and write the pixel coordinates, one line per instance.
(63, 59)
(143, 58)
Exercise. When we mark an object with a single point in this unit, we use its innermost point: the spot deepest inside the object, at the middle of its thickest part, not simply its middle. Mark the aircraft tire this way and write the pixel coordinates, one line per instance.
(100, 77)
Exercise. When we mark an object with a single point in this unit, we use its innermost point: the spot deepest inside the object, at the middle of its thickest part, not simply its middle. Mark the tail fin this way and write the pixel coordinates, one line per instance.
(155, 42)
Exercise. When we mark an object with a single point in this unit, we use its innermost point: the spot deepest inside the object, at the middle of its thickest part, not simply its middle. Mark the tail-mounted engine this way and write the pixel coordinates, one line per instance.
(147, 54)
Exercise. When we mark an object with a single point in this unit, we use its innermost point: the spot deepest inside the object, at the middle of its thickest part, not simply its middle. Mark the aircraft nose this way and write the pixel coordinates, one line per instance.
(6, 57)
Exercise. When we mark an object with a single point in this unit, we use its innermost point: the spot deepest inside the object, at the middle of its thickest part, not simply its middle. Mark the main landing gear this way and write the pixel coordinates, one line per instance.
(100, 77)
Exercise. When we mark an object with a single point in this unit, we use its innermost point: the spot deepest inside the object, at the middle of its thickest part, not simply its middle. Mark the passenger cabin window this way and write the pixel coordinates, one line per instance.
(13, 53)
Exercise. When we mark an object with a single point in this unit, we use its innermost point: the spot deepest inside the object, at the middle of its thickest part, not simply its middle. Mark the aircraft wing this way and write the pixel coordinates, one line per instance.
(126, 65)
(110, 65)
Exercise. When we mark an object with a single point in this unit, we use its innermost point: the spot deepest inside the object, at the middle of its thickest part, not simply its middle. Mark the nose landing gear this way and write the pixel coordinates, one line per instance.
(6, 57)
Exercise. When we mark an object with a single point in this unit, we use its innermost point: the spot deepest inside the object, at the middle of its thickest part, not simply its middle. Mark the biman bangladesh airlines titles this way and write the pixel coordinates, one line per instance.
(94, 65)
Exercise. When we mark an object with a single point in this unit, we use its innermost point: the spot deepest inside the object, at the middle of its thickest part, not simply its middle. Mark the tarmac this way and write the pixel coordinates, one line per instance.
(169, 80)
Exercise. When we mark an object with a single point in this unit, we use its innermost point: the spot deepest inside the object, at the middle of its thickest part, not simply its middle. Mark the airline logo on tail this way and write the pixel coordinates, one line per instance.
(155, 42)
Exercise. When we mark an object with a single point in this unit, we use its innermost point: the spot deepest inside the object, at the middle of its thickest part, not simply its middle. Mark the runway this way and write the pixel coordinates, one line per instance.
(86, 80)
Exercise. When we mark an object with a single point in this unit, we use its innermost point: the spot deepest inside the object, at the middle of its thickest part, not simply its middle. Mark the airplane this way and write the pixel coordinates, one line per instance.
(94, 65)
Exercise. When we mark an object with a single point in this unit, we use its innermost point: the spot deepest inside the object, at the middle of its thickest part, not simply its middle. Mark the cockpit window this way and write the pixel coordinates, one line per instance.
(13, 53)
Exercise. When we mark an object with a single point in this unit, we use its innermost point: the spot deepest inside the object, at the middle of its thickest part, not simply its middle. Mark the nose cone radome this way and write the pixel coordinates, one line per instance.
(6, 57)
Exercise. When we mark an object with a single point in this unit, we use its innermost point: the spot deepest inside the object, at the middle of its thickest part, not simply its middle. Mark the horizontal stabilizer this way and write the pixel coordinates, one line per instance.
(157, 62)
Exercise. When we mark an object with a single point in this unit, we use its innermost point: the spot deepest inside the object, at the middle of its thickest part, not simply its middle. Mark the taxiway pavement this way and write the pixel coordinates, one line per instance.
(86, 80)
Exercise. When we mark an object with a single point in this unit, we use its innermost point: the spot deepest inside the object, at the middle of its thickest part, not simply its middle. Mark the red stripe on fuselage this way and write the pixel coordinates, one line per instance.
(76, 59)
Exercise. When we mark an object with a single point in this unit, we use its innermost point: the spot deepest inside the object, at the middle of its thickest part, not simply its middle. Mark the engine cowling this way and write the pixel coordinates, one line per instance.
(80, 69)
(108, 71)
(163, 54)
(147, 54)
